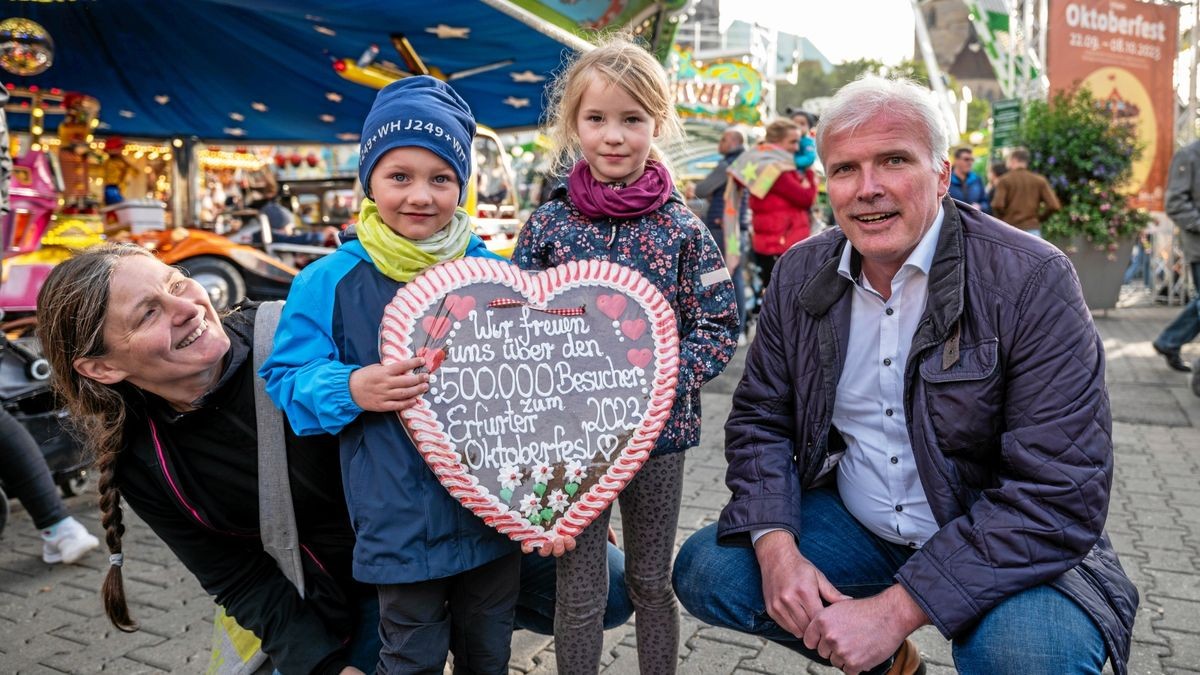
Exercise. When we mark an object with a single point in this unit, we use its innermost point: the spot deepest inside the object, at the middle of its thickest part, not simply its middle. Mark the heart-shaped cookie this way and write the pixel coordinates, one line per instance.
(550, 389)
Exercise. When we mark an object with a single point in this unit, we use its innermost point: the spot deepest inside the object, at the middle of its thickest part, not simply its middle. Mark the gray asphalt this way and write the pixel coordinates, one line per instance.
(51, 620)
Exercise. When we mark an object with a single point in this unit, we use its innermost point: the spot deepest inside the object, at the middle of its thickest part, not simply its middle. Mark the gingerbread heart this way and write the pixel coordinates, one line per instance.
(551, 391)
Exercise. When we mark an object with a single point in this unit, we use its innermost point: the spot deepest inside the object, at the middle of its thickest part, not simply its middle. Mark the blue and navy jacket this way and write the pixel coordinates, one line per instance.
(972, 192)
(674, 251)
(408, 528)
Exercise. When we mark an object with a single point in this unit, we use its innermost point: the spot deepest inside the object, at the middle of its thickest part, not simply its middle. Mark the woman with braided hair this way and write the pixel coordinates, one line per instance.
(162, 389)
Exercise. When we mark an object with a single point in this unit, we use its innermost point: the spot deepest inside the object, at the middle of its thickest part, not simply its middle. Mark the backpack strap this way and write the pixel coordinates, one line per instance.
(277, 518)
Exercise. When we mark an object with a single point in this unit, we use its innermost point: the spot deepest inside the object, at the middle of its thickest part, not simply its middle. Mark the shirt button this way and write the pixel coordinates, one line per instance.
(899, 508)
(888, 412)
(895, 460)
(889, 311)
(887, 362)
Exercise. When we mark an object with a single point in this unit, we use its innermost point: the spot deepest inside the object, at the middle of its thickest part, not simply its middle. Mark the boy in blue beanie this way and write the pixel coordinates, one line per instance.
(446, 581)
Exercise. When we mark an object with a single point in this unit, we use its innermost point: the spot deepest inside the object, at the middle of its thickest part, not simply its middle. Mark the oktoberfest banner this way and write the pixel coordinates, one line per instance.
(1125, 53)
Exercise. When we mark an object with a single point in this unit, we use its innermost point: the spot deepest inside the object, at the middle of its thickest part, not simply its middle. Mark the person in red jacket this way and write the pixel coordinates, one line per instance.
(780, 195)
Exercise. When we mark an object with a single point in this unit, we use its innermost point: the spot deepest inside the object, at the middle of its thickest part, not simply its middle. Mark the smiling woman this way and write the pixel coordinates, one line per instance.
(162, 389)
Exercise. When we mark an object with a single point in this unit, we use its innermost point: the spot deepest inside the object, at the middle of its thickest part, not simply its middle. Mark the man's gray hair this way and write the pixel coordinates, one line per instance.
(737, 132)
(871, 95)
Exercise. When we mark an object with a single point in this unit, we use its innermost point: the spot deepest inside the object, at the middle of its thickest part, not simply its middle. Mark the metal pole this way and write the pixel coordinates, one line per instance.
(1189, 127)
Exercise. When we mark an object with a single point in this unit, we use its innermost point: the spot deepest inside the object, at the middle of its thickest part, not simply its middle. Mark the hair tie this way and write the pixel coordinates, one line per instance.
(116, 559)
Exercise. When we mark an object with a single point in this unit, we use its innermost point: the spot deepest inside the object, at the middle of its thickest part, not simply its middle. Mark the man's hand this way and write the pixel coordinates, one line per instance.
(732, 260)
(856, 635)
(794, 589)
(388, 387)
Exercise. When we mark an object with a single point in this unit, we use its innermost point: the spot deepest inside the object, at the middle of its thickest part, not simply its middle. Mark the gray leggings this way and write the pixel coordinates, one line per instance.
(650, 514)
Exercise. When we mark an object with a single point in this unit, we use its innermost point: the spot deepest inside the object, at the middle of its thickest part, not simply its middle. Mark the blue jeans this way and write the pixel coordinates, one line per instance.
(1186, 326)
(1036, 631)
(539, 588)
(1139, 265)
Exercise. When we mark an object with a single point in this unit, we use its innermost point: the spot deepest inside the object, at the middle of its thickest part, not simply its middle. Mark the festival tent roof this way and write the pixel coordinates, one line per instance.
(240, 70)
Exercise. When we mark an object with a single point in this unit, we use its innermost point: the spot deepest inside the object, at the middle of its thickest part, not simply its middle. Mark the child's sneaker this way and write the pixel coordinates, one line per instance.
(66, 541)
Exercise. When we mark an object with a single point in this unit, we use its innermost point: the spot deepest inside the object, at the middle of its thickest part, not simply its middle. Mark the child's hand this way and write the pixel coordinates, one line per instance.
(556, 548)
(388, 387)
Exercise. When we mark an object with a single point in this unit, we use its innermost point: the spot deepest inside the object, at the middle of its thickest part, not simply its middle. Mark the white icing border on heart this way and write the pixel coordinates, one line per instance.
(415, 298)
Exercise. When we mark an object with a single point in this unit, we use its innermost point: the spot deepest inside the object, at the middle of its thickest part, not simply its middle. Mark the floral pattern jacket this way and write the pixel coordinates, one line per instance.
(674, 250)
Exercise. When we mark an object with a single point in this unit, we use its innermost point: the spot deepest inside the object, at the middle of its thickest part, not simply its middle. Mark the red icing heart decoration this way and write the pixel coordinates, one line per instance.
(460, 306)
(433, 358)
(633, 328)
(612, 305)
(553, 388)
(639, 357)
(437, 326)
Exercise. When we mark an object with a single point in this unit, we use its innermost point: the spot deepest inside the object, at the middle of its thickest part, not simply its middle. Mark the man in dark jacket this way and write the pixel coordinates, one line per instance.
(922, 433)
(1183, 207)
(712, 188)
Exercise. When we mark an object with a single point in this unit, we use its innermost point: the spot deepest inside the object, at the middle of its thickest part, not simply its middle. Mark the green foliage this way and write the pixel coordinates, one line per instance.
(813, 82)
(912, 69)
(1088, 157)
(978, 112)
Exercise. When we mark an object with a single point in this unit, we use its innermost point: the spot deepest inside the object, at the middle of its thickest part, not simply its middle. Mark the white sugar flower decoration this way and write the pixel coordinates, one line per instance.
(542, 473)
(510, 477)
(557, 501)
(575, 471)
(530, 504)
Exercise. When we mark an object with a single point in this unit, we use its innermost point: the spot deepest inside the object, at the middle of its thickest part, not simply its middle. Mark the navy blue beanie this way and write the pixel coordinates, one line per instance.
(419, 111)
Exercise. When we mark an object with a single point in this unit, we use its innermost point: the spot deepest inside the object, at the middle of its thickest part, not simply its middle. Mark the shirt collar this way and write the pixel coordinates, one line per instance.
(921, 258)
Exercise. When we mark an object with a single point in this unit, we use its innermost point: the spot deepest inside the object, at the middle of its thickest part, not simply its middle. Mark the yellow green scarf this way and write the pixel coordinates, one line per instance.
(400, 258)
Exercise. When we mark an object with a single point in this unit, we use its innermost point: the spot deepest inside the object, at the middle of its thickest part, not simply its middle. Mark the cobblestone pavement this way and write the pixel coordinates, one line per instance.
(51, 620)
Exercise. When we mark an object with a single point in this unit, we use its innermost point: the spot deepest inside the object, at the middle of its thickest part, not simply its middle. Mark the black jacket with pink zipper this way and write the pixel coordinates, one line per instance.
(193, 478)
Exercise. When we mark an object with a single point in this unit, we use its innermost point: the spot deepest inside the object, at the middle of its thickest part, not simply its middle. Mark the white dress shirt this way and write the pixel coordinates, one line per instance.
(877, 477)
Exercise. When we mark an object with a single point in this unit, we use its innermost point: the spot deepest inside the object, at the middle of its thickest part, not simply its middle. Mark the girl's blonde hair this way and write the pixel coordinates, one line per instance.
(620, 61)
(778, 129)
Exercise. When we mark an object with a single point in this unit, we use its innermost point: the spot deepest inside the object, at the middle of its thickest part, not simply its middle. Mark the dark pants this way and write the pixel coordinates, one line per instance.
(539, 592)
(766, 264)
(469, 614)
(25, 474)
(1186, 326)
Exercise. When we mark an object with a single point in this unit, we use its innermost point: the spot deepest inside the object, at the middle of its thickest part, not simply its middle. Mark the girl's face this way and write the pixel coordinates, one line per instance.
(161, 333)
(615, 132)
(416, 192)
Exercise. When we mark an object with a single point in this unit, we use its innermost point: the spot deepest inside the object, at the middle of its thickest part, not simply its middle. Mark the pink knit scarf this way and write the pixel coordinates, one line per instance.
(601, 200)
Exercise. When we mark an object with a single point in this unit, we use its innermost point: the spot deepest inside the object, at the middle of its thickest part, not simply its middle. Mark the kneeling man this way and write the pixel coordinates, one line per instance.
(922, 434)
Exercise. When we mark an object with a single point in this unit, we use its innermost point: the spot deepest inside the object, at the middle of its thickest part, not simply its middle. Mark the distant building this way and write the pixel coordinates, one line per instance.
(958, 48)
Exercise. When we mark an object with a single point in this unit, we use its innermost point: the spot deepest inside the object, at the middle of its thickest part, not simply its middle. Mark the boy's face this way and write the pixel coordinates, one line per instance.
(416, 191)
(802, 124)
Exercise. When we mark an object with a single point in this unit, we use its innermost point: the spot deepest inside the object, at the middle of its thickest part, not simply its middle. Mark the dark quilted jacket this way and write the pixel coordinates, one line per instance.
(1012, 435)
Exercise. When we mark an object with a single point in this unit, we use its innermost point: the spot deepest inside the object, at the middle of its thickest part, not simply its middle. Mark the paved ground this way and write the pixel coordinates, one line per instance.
(51, 620)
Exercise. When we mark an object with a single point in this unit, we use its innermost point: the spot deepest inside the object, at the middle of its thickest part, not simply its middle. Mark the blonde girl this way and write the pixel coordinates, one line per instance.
(612, 108)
